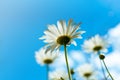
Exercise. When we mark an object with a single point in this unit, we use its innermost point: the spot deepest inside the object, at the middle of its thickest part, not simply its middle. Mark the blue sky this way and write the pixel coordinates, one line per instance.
(22, 22)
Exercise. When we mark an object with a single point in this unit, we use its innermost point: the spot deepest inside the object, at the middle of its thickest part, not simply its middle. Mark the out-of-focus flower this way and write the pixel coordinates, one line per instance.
(95, 44)
(43, 57)
(62, 34)
(86, 71)
(58, 75)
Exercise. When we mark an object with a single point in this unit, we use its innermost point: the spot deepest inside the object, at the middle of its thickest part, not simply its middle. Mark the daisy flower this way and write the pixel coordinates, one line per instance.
(62, 34)
(43, 57)
(86, 71)
(95, 44)
(58, 75)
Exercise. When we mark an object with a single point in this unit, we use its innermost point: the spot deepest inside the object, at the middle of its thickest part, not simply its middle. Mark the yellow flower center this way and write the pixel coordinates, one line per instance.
(101, 56)
(48, 61)
(72, 71)
(61, 78)
(63, 40)
(97, 48)
(87, 75)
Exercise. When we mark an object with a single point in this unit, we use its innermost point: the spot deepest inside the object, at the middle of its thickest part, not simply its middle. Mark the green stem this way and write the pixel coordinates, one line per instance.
(87, 79)
(103, 70)
(102, 66)
(47, 69)
(68, 69)
(107, 70)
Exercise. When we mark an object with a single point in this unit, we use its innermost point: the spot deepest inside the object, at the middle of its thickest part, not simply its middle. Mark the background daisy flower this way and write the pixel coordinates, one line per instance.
(58, 75)
(95, 44)
(43, 57)
(86, 71)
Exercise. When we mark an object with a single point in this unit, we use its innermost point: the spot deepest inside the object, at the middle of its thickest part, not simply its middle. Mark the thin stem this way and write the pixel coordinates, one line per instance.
(72, 77)
(47, 69)
(68, 69)
(102, 66)
(103, 70)
(72, 73)
(107, 70)
(87, 78)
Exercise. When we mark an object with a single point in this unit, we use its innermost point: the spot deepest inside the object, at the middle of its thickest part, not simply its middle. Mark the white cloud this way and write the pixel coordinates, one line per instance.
(114, 37)
(113, 58)
(115, 74)
(114, 32)
(77, 57)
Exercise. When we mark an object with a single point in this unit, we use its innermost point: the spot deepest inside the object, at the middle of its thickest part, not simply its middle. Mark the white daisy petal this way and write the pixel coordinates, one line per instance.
(69, 26)
(49, 34)
(53, 29)
(74, 43)
(75, 29)
(63, 23)
(60, 28)
(77, 34)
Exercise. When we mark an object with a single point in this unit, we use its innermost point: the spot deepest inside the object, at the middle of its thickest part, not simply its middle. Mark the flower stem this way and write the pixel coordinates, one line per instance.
(103, 70)
(107, 70)
(102, 67)
(68, 69)
(47, 69)
(87, 79)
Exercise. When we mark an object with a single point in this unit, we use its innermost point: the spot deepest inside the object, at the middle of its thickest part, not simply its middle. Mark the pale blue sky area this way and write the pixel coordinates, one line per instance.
(22, 22)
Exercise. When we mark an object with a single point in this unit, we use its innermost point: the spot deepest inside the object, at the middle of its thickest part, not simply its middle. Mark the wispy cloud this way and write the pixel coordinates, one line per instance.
(114, 37)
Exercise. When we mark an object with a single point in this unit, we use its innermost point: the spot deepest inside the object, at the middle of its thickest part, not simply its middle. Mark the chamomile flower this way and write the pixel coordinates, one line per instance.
(43, 57)
(58, 75)
(95, 44)
(86, 71)
(62, 34)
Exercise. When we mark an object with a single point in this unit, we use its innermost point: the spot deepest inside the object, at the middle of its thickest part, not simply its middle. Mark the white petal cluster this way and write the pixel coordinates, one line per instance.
(58, 75)
(42, 56)
(95, 44)
(62, 29)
